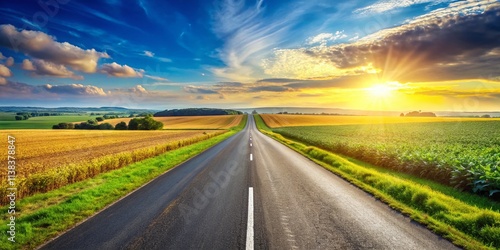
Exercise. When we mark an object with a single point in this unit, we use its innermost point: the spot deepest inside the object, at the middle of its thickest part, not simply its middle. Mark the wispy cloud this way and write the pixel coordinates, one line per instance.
(249, 34)
(149, 53)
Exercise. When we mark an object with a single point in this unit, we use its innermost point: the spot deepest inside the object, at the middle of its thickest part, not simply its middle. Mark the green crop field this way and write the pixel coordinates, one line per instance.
(40, 122)
(465, 155)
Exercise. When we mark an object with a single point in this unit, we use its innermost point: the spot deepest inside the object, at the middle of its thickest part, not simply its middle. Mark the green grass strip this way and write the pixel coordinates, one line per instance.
(464, 224)
(43, 216)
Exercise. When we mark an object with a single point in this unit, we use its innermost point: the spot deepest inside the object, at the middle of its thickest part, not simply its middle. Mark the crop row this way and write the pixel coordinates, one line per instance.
(465, 155)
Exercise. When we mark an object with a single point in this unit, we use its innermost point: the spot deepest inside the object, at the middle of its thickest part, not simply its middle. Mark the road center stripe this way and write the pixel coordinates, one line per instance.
(250, 220)
(251, 157)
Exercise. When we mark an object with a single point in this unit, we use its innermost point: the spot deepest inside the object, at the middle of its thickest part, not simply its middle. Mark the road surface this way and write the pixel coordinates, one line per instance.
(248, 192)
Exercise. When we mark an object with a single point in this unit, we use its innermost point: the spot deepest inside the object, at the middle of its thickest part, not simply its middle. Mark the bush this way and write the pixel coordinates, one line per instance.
(99, 119)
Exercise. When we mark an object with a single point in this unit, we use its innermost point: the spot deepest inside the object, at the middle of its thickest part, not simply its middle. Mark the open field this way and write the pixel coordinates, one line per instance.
(468, 220)
(48, 159)
(274, 121)
(41, 122)
(192, 122)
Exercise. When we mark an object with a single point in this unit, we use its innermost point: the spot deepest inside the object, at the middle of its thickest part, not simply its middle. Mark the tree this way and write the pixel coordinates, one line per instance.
(92, 122)
(485, 116)
(99, 119)
(134, 124)
(105, 126)
(121, 126)
(401, 114)
(19, 117)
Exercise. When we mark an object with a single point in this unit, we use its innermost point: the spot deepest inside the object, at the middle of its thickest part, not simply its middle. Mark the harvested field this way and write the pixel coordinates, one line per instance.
(47, 159)
(192, 122)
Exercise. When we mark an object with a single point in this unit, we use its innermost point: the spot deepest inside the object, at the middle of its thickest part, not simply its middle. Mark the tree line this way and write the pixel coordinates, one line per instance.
(145, 123)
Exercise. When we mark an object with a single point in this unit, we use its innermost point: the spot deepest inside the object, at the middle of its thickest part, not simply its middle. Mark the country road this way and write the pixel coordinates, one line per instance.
(248, 192)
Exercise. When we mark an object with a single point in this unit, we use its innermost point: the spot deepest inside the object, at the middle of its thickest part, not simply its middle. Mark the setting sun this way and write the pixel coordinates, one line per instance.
(380, 90)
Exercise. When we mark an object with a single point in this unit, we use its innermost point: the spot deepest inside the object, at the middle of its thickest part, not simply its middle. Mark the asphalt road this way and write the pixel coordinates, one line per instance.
(248, 192)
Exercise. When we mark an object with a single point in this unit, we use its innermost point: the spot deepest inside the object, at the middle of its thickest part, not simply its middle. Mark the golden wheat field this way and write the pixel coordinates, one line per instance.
(192, 122)
(47, 159)
(274, 121)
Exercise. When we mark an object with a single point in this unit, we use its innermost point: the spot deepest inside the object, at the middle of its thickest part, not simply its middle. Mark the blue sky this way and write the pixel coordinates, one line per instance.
(227, 53)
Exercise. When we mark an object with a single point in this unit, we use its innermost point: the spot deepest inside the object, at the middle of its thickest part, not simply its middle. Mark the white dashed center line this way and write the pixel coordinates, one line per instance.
(250, 239)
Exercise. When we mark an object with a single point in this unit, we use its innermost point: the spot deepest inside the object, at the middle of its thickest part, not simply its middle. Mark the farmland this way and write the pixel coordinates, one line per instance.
(192, 122)
(274, 121)
(48, 159)
(464, 154)
(41, 122)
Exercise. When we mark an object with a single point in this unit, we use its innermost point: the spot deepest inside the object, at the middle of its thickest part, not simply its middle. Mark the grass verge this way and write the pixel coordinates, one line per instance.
(43, 216)
(463, 223)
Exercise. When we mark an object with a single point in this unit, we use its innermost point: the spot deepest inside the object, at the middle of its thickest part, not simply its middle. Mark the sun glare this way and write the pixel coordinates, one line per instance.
(380, 90)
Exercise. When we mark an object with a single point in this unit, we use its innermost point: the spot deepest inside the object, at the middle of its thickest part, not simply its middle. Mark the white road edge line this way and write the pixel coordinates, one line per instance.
(250, 220)
(251, 157)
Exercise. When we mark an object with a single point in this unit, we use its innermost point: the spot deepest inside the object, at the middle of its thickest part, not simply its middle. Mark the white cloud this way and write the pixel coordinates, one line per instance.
(139, 89)
(117, 70)
(4, 71)
(27, 65)
(9, 62)
(149, 53)
(3, 81)
(42, 46)
(44, 68)
(324, 38)
(387, 5)
(2, 56)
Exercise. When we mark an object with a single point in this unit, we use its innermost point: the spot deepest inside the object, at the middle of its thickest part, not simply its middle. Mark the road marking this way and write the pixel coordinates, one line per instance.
(250, 220)
(251, 157)
(250, 144)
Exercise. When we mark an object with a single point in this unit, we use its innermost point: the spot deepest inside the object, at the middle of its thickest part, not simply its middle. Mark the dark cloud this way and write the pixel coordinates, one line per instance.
(74, 89)
(340, 82)
(270, 89)
(18, 89)
(458, 94)
(199, 90)
(437, 47)
(277, 80)
(228, 84)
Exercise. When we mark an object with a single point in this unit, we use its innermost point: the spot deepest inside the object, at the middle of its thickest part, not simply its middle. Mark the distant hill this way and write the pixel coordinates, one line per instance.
(73, 109)
(197, 112)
